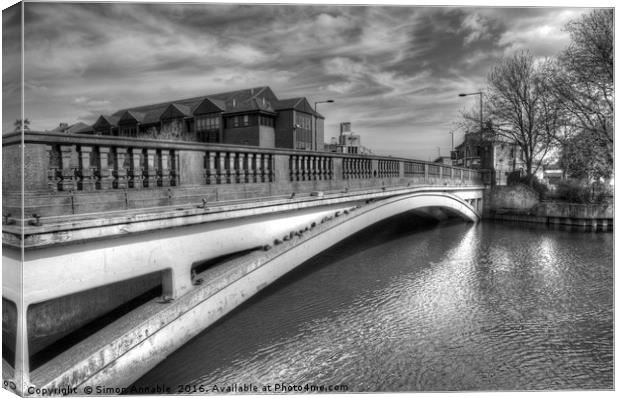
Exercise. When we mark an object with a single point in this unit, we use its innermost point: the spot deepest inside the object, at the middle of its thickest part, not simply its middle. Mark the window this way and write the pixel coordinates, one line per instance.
(238, 121)
(207, 122)
(129, 131)
(265, 120)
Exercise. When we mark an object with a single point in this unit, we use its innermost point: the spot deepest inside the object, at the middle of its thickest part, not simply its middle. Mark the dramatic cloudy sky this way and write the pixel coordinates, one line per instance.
(394, 72)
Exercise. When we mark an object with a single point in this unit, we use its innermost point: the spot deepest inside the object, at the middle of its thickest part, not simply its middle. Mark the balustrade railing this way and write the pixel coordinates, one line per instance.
(98, 167)
(356, 168)
(83, 163)
(310, 167)
(236, 167)
(388, 168)
(414, 169)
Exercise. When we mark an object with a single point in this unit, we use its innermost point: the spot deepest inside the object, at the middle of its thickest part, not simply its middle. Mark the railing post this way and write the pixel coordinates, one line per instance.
(121, 173)
(135, 171)
(68, 172)
(164, 169)
(151, 177)
(87, 177)
(52, 172)
(105, 178)
(426, 172)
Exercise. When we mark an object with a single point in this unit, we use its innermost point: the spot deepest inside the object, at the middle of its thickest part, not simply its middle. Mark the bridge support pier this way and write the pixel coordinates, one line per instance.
(176, 281)
(21, 373)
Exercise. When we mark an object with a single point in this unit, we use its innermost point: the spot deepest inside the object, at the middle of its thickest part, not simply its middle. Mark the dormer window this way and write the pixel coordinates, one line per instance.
(130, 130)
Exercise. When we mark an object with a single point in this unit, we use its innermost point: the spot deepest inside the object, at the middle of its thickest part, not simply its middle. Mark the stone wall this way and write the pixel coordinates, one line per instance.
(515, 198)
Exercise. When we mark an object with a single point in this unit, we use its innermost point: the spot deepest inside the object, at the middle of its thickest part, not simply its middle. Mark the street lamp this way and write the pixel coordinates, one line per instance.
(317, 119)
(480, 94)
(452, 136)
(322, 102)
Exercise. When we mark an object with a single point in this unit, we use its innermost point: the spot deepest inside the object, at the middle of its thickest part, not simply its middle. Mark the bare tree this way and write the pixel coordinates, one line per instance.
(522, 108)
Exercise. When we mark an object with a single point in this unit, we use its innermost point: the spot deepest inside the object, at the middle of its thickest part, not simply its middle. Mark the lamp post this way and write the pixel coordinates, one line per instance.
(317, 119)
(452, 140)
(480, 94)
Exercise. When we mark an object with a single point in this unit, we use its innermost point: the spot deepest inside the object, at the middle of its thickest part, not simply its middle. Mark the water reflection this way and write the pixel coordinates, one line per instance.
(405, 308)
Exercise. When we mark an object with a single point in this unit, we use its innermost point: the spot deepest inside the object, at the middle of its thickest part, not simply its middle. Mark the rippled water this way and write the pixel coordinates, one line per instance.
(409, 307)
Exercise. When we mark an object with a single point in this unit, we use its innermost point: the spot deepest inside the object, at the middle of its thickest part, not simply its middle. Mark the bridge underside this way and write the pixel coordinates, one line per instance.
(54, 275)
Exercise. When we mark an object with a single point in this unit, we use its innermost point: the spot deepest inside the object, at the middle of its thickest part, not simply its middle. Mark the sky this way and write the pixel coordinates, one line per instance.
(393, 72)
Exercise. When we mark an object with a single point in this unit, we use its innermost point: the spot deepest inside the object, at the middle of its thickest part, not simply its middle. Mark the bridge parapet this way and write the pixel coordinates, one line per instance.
(77, 174)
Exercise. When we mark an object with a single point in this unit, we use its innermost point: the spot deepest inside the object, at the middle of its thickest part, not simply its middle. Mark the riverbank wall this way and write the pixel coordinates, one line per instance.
(520, 203)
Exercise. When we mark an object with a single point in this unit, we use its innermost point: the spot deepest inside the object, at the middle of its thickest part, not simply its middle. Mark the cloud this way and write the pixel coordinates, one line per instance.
(393, 71)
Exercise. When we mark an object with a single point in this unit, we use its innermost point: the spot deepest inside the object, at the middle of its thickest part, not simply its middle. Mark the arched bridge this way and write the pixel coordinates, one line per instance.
(105, 221)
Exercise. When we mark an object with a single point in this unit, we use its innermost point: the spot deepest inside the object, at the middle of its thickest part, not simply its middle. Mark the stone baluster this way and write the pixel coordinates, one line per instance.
(68, 172)
(120, 180)
(319, 168)
(292, 167)
(251, 168)
(297, 168)
(232, 172)
(302, 168)
(105, 178)
(260, 171)
(211, 170)
(151, 175)
(269, 168)
(221, 171)
(174, 168)
(165, 169)
(311, 168)
(240, 167)
(325, 166)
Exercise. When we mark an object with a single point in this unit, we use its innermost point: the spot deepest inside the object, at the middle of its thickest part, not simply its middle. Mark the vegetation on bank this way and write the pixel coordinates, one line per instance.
(561, 108)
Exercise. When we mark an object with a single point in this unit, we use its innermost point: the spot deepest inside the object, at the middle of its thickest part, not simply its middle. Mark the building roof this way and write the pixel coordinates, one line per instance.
(299, 104)
(257, 99)
(78, 127)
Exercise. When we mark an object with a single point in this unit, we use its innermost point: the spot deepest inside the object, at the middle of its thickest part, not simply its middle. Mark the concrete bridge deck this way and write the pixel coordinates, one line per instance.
(99, 212)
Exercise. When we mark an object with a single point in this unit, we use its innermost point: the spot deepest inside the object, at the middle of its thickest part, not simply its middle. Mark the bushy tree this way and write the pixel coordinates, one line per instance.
(583, 85)
(22, 123)
(584, 156)
(585, 75)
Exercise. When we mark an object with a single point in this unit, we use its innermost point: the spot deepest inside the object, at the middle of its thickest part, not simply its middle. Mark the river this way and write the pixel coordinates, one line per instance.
(411, 306)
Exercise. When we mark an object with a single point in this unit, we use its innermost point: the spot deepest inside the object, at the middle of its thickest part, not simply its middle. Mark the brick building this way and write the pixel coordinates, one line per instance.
(253, 116)
(495, 158)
